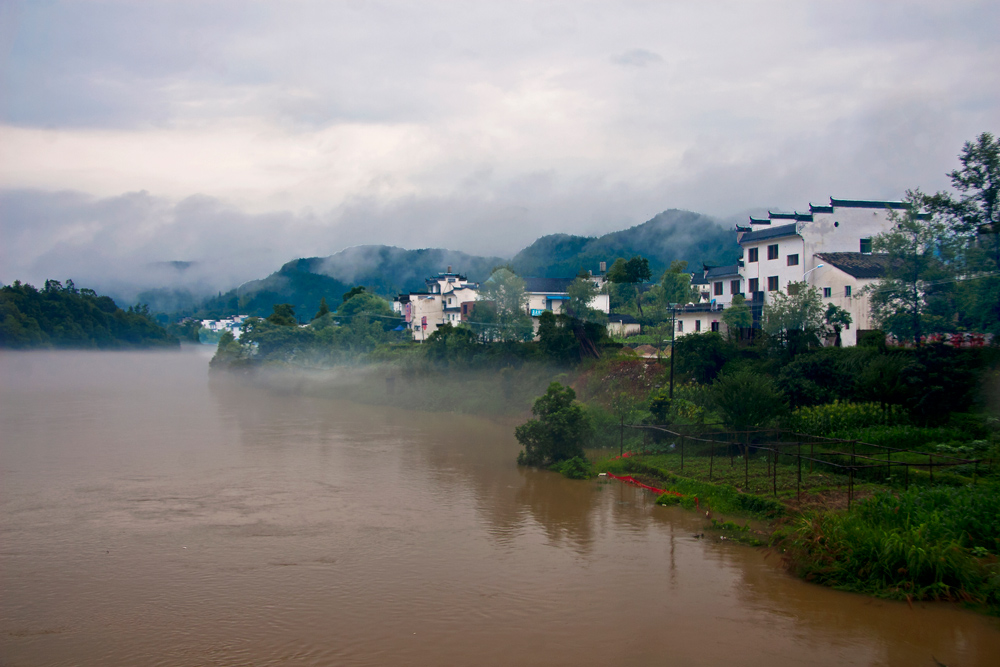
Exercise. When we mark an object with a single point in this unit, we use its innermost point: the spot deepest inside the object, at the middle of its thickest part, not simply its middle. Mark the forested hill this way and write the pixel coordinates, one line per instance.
(384, 270)
(387, 270)
(671, 235)
(64, 316)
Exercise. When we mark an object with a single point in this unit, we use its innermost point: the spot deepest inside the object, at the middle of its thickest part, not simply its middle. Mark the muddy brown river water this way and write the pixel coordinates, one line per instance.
(149, 516)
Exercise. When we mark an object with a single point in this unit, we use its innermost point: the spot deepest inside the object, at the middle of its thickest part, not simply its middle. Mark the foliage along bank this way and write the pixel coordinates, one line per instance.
(62, 316)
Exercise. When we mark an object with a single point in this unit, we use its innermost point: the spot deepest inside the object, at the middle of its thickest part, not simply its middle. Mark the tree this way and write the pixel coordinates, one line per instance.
(915, 272)
(677, 287)
(836, 319)
(323, 309)
(353, 292)
(794, 318)
(582, 292)
(737, 316)
(451, 346)
(558, 430)
(632, 272)
(973, 217)
(504, 290)
(747, 400)
(283, 315)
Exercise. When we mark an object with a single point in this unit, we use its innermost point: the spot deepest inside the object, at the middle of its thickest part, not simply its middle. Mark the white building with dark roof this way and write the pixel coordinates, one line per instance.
(791, 247)
(440, 304)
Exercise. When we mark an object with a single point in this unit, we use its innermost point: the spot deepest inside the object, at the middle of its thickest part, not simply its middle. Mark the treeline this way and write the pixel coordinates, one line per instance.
(64, 316)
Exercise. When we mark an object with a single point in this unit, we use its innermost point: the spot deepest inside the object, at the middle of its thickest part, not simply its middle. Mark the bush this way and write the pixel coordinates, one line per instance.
(574, 468)
(747, 400)
(836, 416)
(558, 432)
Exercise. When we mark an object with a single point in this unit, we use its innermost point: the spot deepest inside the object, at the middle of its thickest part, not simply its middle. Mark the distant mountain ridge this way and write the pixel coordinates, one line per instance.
(673, 234)
(388, 270)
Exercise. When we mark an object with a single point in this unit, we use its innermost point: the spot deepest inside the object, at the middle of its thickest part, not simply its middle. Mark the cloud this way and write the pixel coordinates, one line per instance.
(241, 135)
(637, 58)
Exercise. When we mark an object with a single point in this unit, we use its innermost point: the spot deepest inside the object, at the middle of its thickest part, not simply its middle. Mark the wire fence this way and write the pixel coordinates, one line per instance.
(856, 460)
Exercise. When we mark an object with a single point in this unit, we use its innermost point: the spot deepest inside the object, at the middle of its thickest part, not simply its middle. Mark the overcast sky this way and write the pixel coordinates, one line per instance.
(242, 134)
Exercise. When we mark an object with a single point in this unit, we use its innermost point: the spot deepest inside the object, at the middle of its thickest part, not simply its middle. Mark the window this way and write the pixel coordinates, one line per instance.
(753, 285)
(793, 260)
(697, 325)
(680, 325)
(752, 255)
(718, 289)
(772, 251)
(827, 292)
(734, 287)
(847, 290)
(715, 326)
(772, 283)
(847, 325)
(866, 246)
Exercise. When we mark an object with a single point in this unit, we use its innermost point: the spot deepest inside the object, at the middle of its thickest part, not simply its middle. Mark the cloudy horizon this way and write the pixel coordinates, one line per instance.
(242, 135)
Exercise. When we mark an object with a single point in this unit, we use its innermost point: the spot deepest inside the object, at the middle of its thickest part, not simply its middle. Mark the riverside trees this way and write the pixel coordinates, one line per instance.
(558, 430)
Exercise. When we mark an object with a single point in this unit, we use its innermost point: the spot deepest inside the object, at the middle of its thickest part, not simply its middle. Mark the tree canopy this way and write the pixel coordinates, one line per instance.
(63, 316)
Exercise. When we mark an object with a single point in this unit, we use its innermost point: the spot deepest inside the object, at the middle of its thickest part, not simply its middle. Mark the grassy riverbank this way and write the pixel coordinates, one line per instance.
(925, 543)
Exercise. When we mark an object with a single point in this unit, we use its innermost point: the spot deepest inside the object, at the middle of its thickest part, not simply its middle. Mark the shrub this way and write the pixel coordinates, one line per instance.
(836, 416)
(747, 400)
(558, 432)
(574, 468)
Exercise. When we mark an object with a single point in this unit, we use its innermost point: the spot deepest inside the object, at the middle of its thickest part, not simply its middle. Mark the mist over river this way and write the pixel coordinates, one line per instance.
(152, 516)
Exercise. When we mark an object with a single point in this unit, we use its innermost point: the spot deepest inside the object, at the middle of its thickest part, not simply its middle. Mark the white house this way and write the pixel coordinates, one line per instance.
(441, 303)
(550, 294)
(699, 318)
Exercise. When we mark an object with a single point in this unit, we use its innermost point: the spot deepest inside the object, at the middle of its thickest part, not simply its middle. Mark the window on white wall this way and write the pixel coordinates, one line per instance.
(847, 290)
(680, 325)
(697, 325)
(793, 260)
(772, 251)
(752, 255)
(827, 292)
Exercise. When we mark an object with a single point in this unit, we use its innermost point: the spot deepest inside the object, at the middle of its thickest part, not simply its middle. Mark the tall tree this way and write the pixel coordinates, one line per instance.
(676, 284)
(973, 216)
(631, 272)
(794, 318)
(916, 271)
(504, 290)
(582, 292)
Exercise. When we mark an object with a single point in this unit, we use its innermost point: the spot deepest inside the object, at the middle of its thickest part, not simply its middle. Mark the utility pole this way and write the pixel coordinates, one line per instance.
(673, 336)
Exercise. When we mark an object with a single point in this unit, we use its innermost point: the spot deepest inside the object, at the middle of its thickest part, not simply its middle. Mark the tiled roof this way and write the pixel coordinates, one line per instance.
(820, 209)
(722, 271)
(859, 265)
(865, 203)
(759, 221)
(553, 285)
(772, 233)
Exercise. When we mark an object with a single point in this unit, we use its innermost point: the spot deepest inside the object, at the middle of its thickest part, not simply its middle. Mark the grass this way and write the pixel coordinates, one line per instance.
(925, 543)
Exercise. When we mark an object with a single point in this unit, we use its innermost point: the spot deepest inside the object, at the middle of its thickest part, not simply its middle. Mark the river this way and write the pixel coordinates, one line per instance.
(150, 516)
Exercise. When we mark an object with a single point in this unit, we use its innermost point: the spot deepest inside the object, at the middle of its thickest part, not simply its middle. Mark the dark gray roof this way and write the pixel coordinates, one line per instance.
(622, 318)
(866, 203)
(859, 265)
(820, 209)
(772, 233)
(552, 285)
(722, 271)
(800, 217)
(759, 221)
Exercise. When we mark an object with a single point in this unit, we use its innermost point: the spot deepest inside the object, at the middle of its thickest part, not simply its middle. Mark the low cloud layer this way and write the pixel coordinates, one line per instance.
(239, 136)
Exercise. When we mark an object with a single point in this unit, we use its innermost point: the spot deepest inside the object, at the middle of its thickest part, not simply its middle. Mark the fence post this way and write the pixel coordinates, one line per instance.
(711, 460)
(798, 484)
(975, 473)
(746, 467)
(774, 473)
(850, 489)
(906, 477)
(812, 445)
(930, 467)
(888, 464)
(682, 452)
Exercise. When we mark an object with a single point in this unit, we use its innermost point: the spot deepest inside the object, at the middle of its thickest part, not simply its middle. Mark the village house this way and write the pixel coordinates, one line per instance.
(441, 303)
(829, 248)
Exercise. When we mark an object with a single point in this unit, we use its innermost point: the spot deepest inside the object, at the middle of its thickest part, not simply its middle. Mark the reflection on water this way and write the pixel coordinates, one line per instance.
(150, 516)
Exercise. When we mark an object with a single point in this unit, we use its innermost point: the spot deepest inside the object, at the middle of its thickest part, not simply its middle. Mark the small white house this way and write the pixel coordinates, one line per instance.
(440, 304)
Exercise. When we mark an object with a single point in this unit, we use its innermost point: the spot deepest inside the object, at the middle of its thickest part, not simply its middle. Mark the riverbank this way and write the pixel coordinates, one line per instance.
(925, 543)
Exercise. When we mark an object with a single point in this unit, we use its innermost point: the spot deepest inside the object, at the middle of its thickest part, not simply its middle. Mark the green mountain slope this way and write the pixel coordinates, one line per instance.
(387, 270)
(384, 270)
(671, 235)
